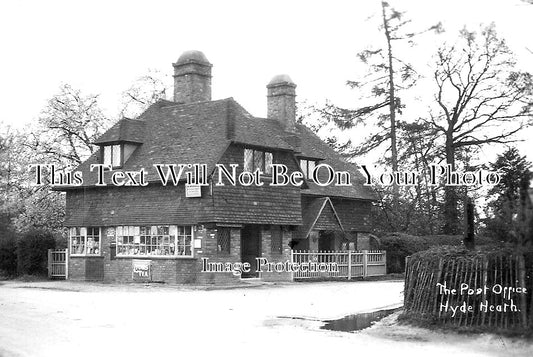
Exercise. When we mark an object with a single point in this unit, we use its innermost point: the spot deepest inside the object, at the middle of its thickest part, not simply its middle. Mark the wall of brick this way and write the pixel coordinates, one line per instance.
(275, 257)
(192, 82)
(86, 268)
(76, 268)
(281, 105)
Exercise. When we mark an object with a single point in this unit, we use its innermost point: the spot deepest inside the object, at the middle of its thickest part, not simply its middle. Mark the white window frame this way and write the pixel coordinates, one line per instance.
(83, 234)
(304, 166)
(107, 159)
(173, 232)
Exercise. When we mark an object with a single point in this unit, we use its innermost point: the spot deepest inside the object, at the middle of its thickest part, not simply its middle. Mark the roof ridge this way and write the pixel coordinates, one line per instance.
(175, 104)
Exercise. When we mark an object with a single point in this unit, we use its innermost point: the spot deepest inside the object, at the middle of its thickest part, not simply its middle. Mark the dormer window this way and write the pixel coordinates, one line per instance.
(307, 166)
(112, 155)
(257, 159)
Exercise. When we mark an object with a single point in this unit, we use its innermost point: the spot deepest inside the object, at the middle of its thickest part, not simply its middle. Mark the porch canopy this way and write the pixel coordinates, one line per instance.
(319, 215)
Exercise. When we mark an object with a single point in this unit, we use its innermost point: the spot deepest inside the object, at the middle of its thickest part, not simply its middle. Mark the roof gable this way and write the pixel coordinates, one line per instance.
(319, 209)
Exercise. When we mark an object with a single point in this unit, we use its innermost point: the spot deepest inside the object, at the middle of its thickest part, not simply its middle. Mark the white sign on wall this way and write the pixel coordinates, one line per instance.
(193, 190)
(141, 270)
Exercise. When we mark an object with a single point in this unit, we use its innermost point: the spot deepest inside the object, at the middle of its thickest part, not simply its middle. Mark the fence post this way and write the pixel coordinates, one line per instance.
(66, 263)
(385, 260)
(49, 263)
(365, 263)
(292, 263)
(522, 281)
(349, 264)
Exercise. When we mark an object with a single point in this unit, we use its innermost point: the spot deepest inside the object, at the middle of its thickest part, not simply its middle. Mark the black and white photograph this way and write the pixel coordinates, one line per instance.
(267, 178)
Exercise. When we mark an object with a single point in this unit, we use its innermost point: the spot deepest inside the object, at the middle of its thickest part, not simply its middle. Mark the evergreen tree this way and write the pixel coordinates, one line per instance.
(505, 204)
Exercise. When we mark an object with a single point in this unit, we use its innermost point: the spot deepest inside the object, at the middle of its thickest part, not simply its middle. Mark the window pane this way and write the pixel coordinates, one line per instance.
(303, 167)
(154, 240)
(259, 160)
(107, 155)
(268, 162)
(77, 242)
(116, 155)
(173, 230)
(93, 240)
(248, 160)
(311, 167)
(223, 240)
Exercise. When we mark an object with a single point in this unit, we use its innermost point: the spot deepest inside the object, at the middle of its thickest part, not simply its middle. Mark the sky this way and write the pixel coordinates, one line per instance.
(102, 47)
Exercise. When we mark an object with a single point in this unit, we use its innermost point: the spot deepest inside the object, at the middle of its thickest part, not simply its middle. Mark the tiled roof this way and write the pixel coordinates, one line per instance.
(261, 132)
(311, 212)
(312, 146)
(171, 133)
(129, 130)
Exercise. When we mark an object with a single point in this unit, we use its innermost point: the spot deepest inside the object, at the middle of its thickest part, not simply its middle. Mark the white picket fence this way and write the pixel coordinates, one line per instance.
(339, 264)
(58, 263)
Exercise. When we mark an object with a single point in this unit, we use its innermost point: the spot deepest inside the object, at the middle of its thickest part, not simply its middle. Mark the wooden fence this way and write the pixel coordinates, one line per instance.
(469, 291)
(338, 264)
(58, 264)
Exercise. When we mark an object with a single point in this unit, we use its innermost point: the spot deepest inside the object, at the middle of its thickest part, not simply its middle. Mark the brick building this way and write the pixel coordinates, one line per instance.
(161, 232)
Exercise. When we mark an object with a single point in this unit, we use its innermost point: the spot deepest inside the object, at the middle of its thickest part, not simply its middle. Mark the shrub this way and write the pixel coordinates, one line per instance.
(32, 252)
(400, 245)
(8, 255)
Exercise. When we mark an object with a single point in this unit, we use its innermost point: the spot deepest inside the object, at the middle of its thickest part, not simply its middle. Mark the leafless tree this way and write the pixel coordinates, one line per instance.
(480, 99)
(145, 91)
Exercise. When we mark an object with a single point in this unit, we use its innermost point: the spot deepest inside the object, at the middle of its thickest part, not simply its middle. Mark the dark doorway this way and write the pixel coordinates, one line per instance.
(326, 241)
(250, 248)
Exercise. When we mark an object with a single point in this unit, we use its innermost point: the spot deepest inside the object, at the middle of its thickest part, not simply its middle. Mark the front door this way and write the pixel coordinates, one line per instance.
(250, 249)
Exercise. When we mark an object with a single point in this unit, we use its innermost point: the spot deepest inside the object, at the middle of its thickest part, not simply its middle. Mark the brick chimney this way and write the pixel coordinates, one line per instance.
(281, 101)
(192, 78)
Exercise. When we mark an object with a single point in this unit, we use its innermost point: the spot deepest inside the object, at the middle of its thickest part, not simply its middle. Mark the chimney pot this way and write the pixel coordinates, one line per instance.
(192, 78)
(281, 101)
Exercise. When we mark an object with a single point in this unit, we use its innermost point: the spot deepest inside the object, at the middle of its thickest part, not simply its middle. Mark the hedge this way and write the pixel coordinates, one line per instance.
(32, 252)
(401, 245)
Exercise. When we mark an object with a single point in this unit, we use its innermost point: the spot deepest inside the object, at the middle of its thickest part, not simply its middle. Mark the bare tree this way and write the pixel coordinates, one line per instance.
(480, 99)
(145, 91)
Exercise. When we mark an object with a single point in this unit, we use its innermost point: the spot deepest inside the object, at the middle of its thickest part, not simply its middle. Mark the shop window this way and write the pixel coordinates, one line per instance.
(257, 159)
(84, 240)
(154, 240)
(276, 242)
(223, 240)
